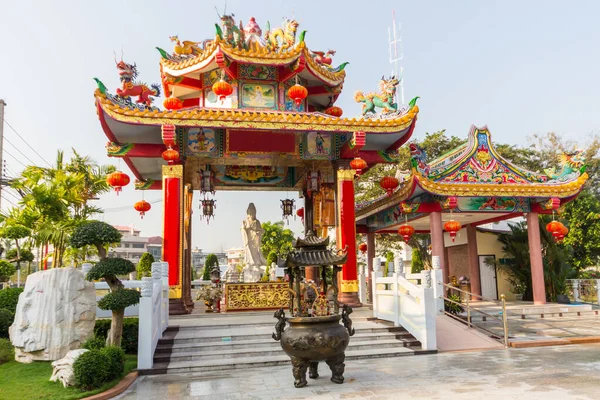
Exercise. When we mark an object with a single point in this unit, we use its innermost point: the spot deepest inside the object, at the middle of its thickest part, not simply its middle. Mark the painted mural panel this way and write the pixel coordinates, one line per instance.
(318, 146)
(493, 204)
(258, 95)
(202, 141)
(257, 72)
(250, 175)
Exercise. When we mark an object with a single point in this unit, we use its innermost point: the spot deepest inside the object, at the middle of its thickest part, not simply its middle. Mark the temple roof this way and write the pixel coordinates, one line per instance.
(305, 258)
(311, 240)
(475, 169)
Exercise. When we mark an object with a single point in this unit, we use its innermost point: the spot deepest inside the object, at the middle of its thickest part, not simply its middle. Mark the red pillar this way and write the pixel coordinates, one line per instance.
(347, 237)
(535, 257)
(437, 240)
(173, 229)
(473, 260)
(370, 256)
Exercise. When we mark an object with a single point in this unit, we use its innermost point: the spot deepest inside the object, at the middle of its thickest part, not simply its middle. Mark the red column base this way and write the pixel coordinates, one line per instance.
(350, 298)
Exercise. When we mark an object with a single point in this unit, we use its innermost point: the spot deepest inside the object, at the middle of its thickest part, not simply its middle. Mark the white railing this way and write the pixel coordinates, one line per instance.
(153, 309)
(585, 290)
(414, 307)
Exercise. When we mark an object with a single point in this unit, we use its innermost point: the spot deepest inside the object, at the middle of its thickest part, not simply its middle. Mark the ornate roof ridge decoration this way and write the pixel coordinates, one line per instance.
(248, 119)
(310, 240)
(313, 251)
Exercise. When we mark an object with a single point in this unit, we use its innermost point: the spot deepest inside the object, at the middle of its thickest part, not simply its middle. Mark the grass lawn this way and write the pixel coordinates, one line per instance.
(31, 381)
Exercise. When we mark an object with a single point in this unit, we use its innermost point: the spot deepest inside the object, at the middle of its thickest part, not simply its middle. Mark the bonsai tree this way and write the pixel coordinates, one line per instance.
(25, 256)
(211, 262)
(15, 232)
(144, 266)
(6, 270)
(100, 235)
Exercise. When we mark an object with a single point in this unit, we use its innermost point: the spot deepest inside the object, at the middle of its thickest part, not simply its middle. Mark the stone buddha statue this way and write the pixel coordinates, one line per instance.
(252, 233)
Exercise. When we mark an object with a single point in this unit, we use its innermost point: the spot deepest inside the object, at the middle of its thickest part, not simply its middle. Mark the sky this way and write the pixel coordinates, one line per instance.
(518, 67)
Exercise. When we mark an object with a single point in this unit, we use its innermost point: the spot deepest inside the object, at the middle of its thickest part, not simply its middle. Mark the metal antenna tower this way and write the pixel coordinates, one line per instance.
(396, 50)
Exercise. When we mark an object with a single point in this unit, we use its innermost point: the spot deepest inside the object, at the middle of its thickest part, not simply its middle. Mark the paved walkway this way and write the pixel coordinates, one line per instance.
(562, 372)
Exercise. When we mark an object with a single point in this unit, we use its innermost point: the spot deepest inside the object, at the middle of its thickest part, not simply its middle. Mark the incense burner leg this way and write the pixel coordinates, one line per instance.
(337, 367)
(299, 367)
(313, 370)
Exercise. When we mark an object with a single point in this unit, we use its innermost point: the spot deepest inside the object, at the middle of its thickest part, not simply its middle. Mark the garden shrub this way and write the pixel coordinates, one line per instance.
(144, 266)
(94, 343)
(7, 351)
(129, 341)
(6, 320)
(6, 270)
(116, 358)
(91, 369)
(9, 298)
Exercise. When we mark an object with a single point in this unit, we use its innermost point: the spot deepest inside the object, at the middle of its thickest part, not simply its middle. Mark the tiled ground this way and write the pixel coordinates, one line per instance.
(562, 372)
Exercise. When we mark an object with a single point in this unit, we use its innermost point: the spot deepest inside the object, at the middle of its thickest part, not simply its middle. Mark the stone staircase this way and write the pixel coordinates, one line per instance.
(226, 342)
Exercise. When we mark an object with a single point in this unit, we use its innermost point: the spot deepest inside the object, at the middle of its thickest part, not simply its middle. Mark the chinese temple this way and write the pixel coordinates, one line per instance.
(467, 187)
(252, 109)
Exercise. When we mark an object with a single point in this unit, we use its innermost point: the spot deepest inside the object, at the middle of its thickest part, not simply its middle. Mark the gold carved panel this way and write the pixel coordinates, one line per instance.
(256, 296)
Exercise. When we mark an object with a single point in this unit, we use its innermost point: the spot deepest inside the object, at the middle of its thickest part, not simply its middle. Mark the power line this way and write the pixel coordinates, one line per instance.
(16, 148)
(12, 194)
(4, 198)
(124, 208)
(16, 159)
(28, 145)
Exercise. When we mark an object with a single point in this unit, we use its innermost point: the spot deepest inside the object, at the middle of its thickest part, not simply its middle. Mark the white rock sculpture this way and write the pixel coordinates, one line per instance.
(56, 313)
(63, 368)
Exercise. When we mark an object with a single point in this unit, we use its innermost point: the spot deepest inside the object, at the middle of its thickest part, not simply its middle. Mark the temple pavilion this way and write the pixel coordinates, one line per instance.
(465, 188)
(248, 109)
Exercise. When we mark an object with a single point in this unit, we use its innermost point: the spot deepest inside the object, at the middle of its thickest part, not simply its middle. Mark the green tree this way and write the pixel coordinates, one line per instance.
(276, 238)
(209, 265)
(25, 256)
(15, 232)
(271, 258)
(144, 266)
(100, 235)
(583, 216)
(6, 270)
(417, 262)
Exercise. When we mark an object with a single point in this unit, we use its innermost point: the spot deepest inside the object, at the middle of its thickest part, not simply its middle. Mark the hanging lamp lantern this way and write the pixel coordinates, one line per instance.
(288, 207)
(143, 207)
(563, 232)
(170, 155)
(207, 181)
(208, 209)
(389, 184)
(173, 103)
(406, 231)
(313, 182)
(363, 247)
(117, 180)
(358, 164)
(554, 227)
(222, 89)
(297, 93)
(452, 227)
(334, 111)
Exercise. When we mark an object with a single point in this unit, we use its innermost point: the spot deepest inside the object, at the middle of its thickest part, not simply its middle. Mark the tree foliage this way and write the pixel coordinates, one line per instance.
(110, 268)
(144, 266)
(582, 216)
(6, 270)
(417, 262)
(276, 238)
(209, 265)
(95, 233)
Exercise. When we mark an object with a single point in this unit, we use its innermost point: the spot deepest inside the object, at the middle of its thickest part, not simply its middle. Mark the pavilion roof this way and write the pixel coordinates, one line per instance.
(475, 169)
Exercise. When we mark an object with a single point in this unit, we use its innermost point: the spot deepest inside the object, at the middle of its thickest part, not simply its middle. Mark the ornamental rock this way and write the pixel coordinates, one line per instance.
(56, 313)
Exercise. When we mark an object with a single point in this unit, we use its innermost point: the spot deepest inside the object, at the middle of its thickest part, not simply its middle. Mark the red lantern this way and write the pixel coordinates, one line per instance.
(452, 227)
(300, 212)
(142, 206)
(173, 103)
(297, 93)
(389, 183)
(362, 247)
(222, 89)
(358, 164)
(554, 227)
(117, 180)
(563, 232)
(406, 231)
(170, 155)
(452, 202)
(334, 111)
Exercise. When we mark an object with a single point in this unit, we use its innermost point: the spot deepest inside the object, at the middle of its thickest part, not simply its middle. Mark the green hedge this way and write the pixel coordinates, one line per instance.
(6, 320)
(116, 358)
(94, 343)
(91, 369)
(9, 298)
(7, 351)
(129, 342)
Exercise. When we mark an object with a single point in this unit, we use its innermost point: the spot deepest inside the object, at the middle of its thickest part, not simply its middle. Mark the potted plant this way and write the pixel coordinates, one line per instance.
(518, 288)
(210, 295)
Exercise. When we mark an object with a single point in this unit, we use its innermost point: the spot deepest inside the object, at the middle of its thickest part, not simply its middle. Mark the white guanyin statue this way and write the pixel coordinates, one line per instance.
(252, 233)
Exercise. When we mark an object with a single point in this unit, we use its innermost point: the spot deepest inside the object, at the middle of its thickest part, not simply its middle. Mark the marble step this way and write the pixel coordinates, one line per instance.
(273, 351)
(177, 367)
(268, 342)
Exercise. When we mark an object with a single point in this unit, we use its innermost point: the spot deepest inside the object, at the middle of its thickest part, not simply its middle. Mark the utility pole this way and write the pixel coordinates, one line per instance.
(2, 104)
(396, 50)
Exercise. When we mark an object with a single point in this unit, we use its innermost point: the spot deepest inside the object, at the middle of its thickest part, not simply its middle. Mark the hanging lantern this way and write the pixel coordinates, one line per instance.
(297, 93)
(222, 89)
(143, 207)
(406, 231)
(117, 180)
(334, 111)
(358, 164)
(563, 232)
(313, 182)
(452, 202)
(288, 207)
(208, 209)
(452, 227)
(363, 247)
(300, 212)
(389, 183)
(173, 103)
(207, 181)
(554, 227)
(170, 155)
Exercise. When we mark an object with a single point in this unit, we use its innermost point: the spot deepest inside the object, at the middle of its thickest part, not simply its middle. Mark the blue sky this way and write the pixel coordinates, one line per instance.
(519, 67)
